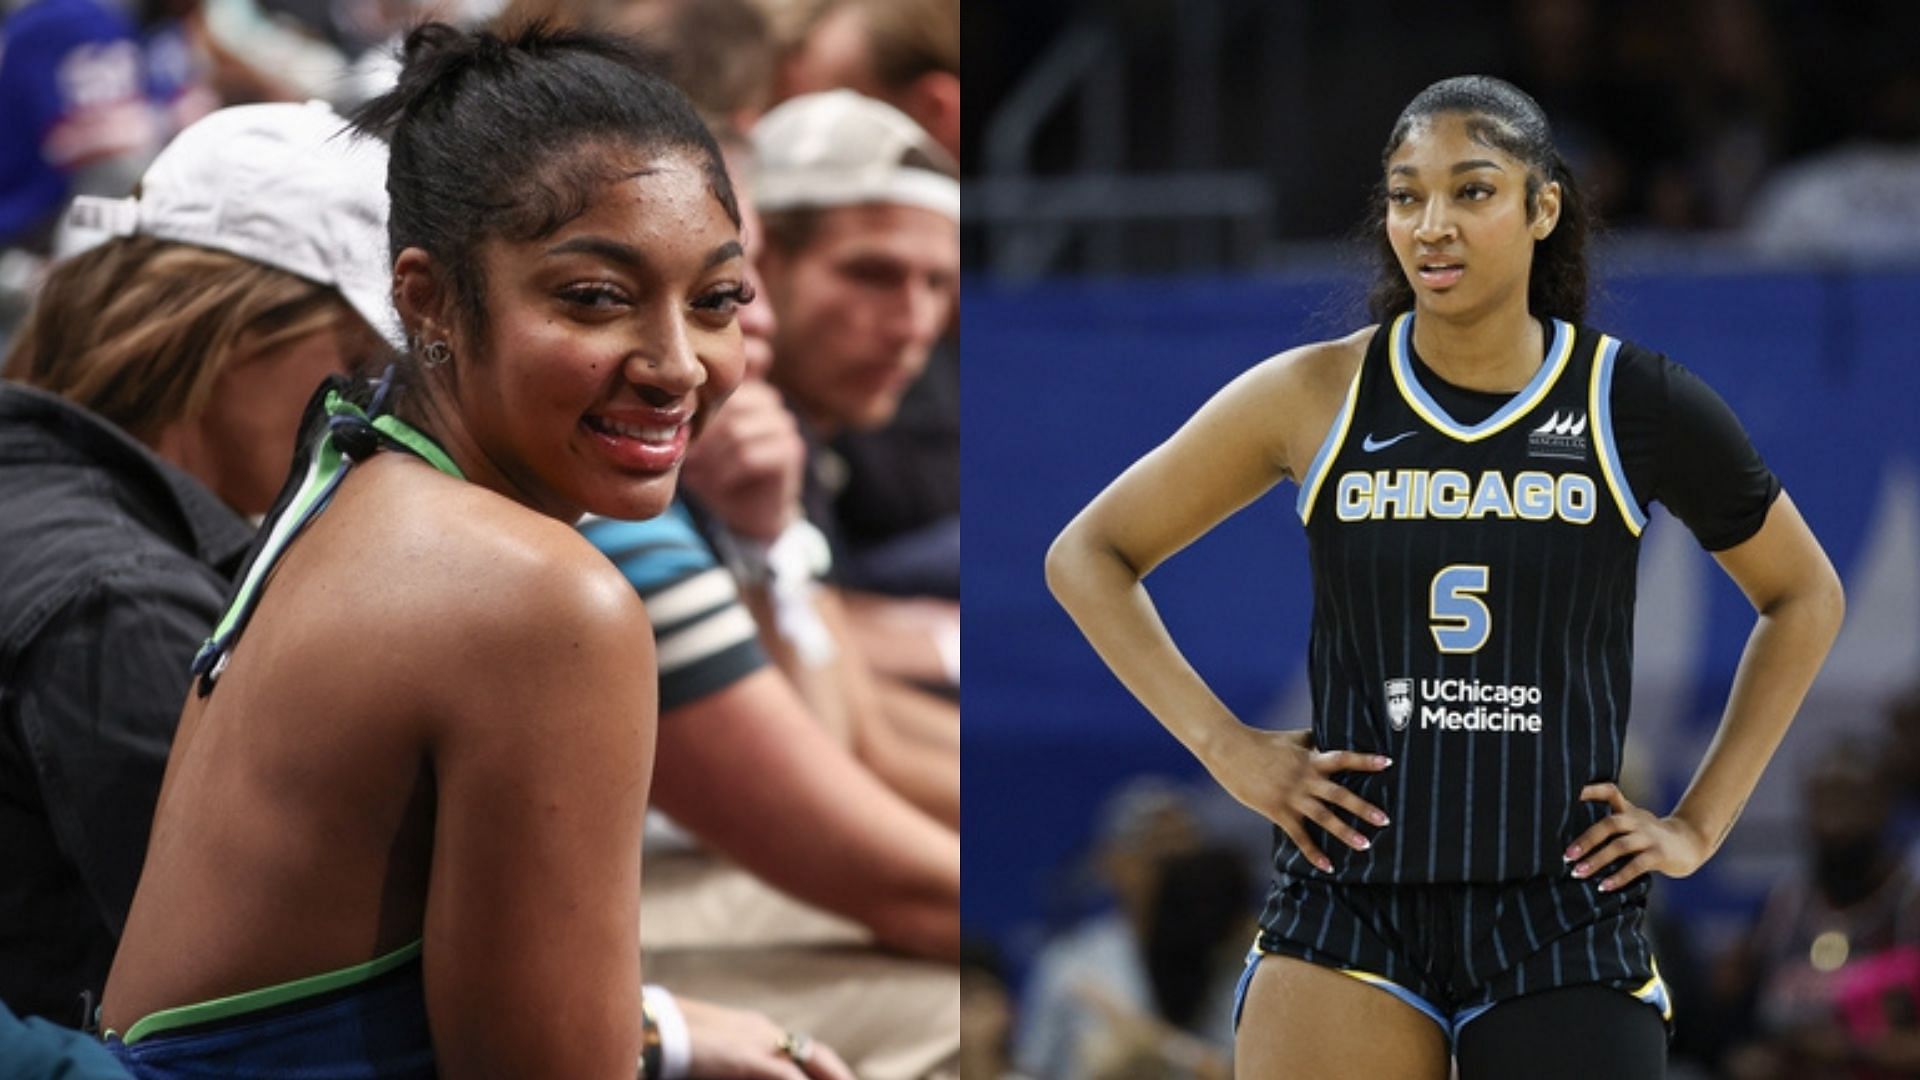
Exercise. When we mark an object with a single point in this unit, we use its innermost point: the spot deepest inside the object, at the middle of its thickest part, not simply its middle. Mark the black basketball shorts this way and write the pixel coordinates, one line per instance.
(1454, 951)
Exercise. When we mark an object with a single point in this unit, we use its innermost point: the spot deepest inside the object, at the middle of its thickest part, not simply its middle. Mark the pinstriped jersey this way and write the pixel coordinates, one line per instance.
(1473, 612)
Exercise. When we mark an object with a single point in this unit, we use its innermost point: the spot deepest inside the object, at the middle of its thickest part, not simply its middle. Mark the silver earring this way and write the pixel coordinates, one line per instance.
(437, 353)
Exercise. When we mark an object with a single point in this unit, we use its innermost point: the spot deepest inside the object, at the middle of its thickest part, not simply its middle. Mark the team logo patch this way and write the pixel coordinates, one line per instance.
(1564, 435)
(1399, 702)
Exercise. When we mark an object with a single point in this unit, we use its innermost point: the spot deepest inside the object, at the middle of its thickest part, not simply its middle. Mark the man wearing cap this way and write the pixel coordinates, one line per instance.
(862, 213)
(898, 504)
(144, 424)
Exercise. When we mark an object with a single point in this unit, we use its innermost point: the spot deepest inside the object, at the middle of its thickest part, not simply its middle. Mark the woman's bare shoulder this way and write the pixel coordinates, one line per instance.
(483, 577)
(1291, 399)
(1319, 366)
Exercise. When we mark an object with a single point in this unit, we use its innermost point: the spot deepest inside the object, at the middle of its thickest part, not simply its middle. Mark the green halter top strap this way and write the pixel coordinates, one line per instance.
(350, 434)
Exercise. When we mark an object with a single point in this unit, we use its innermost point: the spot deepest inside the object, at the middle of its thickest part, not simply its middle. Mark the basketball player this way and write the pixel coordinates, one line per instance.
(1456, 873)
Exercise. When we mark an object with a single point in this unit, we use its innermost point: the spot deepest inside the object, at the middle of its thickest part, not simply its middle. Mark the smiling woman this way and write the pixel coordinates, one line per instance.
(626, 320)
(400, 829)
(1475, 471)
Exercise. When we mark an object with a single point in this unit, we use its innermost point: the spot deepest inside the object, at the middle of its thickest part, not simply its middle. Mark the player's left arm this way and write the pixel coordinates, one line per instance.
(1798, 599)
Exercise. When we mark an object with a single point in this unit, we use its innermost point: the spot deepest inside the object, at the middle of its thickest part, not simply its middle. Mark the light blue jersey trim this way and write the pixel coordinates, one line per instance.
(1422, 403)
(1246, 979)
(1601, 405)
(1464, 1017)
(1329, 448)
(1426, 1008)
(1653, 992)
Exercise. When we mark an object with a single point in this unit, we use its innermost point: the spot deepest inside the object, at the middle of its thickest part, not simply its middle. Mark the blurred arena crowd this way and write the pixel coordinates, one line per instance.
(803, 857)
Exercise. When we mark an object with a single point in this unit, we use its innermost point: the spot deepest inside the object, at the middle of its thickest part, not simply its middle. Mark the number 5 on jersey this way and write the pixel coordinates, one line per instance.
(1460, 621)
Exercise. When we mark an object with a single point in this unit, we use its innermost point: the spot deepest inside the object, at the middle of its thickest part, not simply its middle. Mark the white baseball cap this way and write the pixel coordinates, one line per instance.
(287, 186)
(839, 148)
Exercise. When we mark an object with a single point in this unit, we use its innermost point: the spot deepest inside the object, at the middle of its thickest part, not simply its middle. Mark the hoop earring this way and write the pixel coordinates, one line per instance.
(437, 353)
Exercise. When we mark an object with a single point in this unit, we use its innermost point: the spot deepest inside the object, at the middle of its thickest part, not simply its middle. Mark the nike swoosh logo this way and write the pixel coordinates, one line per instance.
(1370, 445)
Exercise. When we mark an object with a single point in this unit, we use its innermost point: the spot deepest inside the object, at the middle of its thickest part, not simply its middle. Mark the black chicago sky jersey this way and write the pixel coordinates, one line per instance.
(1473, 612)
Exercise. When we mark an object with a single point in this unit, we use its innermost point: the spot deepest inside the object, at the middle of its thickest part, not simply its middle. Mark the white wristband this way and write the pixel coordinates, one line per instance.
(799, 553)
(946, 642)
(676, 1044)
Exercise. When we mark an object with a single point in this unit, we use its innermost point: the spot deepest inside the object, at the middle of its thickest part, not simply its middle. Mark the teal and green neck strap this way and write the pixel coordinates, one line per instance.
(351, 434)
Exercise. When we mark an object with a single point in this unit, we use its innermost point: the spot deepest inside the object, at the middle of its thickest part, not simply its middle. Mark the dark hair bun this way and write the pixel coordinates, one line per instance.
(509, 136)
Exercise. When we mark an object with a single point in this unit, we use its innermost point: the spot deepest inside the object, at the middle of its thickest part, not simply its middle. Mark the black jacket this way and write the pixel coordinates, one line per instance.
(114, 566)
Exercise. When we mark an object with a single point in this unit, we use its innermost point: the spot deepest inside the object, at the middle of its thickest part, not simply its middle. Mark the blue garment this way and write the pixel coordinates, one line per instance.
(34, 1048)
(370, 1030)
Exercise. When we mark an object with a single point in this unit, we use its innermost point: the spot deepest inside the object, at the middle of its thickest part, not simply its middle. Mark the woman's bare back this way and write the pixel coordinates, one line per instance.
(295, 829)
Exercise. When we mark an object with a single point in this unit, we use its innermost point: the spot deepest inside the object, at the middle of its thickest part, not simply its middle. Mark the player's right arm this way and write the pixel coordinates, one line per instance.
(1265, 426)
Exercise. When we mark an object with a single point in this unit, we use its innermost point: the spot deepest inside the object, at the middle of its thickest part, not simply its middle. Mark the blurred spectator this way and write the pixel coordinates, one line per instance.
(1095, 976)
(87, 97)
(903, 52)
(1902, 733)
(986, 1016)
(1855, 202)
(899, 503)
(255, 56)
(744, 477)
(862, 215)
(720, 53)
(1854, 197)
(899, 510)
(164, 375)
(1195, 949)
(1687, 108)
(1197, 943)
(1832, 971)
(1734, 108)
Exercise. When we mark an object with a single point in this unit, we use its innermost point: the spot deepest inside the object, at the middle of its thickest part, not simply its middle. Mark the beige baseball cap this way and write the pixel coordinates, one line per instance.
(288, 186)
(839, 148)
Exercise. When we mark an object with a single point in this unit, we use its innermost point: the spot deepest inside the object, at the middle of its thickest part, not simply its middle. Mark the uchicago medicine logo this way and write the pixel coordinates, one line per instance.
(1469, 705)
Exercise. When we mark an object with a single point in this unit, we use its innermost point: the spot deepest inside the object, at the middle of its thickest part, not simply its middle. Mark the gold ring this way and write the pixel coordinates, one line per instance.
(796, 1046)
